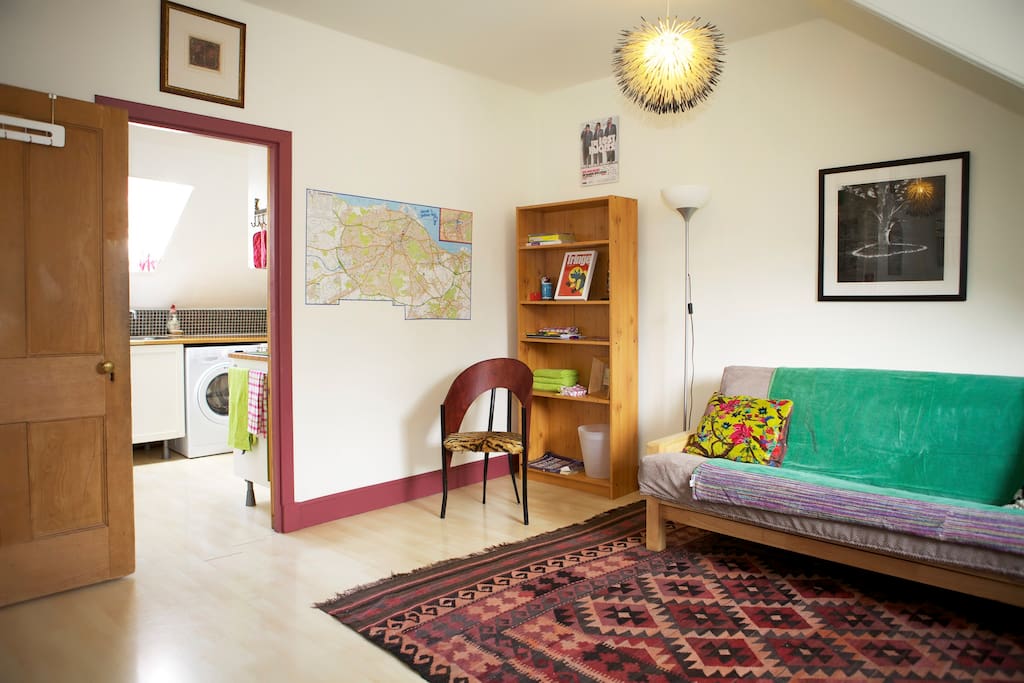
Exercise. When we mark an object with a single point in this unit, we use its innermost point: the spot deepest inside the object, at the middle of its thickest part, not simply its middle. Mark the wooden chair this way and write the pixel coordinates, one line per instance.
(493, 374)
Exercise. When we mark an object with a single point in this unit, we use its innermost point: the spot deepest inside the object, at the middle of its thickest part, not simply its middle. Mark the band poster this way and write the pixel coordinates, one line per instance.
(599, 145)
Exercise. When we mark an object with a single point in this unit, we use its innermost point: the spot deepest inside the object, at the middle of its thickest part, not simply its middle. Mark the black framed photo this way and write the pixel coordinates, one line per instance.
(894, 230)
(202, 55)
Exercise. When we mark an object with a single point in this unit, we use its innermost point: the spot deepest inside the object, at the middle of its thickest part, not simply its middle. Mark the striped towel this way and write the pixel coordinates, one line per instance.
(257, 422)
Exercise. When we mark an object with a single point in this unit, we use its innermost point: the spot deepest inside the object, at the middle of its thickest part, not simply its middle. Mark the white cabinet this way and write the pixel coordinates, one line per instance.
(158, 392)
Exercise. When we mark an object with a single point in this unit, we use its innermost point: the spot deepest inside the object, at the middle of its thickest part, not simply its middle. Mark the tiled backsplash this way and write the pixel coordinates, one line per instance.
(151, 322)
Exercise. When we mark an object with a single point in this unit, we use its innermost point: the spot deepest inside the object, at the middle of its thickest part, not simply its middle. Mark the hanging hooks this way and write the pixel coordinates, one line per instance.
(259, 216)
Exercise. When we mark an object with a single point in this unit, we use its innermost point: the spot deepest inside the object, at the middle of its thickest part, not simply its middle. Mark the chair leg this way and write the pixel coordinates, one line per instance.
(446, 459)
(512, 475)
(487, 457)
(526, 510)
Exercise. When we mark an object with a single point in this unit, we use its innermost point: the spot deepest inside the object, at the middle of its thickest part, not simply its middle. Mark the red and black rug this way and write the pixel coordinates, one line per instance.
(591, 603)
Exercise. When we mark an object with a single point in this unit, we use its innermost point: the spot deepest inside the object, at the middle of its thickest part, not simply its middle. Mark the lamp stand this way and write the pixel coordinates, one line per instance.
(687, 212)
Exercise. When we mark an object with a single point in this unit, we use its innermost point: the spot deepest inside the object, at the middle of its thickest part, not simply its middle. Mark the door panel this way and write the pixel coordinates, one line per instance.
(15, 524)
(53, 388)
(66, 513)
(59, 260)
(12, 252)
(65, 469)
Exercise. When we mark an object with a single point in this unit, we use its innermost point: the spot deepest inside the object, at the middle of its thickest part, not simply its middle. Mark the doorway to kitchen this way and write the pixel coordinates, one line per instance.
(279, 313)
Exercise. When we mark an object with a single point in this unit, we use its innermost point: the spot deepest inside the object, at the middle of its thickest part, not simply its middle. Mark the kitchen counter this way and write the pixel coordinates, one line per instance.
(189, 339)
(250, 356)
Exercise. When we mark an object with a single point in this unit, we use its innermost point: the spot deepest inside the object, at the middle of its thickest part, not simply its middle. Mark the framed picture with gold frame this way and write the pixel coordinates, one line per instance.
(202, 55)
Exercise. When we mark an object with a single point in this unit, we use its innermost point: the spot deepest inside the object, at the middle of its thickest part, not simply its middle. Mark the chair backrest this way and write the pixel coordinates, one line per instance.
(494, 373)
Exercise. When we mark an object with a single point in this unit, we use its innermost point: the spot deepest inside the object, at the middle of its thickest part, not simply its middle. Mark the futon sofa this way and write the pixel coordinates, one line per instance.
(904, 473)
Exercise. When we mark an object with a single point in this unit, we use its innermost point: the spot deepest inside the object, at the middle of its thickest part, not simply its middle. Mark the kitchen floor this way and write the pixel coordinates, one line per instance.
(218, 596)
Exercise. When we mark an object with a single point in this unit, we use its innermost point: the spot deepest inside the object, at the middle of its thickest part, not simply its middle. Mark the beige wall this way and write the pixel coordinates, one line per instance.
(790, 103)
(375, 122)
(365, 120)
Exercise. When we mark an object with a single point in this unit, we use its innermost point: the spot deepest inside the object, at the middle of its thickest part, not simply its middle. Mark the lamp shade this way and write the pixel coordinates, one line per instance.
(686, 196)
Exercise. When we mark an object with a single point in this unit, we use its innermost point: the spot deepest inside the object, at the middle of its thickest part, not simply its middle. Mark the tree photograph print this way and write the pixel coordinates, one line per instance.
(894, 230)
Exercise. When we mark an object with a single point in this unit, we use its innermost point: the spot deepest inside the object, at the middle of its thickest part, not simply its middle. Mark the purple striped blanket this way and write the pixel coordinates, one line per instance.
(998, 528)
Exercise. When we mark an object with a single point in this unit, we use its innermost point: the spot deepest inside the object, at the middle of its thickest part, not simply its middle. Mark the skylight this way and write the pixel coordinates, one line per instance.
(154, 209)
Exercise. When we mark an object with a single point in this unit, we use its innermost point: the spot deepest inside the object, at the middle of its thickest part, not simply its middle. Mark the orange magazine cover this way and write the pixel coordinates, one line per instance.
(576, 276)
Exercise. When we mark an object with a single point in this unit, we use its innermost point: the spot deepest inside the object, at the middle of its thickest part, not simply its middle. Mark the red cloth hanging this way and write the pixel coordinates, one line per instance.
(259, 249)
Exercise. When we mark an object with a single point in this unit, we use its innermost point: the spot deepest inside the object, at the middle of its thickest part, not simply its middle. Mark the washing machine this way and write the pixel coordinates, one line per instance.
(206, 399)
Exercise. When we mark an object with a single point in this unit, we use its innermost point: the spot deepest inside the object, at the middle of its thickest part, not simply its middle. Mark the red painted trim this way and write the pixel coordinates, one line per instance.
(358, 501)
(279, 280)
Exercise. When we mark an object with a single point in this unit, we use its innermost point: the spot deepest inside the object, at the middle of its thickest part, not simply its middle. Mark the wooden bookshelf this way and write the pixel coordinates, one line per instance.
(608, 326)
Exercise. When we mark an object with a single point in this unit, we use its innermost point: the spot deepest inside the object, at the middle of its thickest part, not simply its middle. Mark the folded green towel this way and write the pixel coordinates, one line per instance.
(547, 386)
(238, 410)
(556, 374)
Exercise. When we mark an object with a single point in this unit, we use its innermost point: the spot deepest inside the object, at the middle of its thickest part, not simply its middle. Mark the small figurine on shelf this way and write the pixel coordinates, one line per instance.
(547, 288)
(173, 325)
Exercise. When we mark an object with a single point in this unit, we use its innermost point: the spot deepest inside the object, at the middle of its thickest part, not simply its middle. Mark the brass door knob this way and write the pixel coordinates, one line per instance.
(105, 368)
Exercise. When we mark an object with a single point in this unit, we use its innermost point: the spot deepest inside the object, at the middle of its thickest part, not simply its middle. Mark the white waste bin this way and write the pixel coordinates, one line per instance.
(594, 444)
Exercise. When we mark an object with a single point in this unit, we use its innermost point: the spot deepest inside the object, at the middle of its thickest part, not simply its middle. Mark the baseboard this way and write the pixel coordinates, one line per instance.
(347, 503)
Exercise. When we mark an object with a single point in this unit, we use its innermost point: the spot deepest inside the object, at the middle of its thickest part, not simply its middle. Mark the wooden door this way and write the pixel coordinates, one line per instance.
(66, 514)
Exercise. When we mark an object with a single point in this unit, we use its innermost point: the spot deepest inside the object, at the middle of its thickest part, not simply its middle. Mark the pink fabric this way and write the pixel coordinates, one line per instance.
(259, 249)
(257, 422)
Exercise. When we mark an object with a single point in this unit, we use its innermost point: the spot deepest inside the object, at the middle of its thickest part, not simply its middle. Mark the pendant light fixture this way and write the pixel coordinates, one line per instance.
(670, 65)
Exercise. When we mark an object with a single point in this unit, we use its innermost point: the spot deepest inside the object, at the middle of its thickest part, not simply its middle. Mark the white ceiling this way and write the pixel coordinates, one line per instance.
(537, 45)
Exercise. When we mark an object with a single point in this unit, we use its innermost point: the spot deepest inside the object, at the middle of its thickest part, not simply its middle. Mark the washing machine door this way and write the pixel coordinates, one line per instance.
(212, 393)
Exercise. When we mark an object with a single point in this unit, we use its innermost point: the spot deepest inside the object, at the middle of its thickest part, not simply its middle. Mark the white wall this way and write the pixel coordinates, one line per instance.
(372, 121)
(985, 32)
(791, 103)
(206, 264)
(365, 120)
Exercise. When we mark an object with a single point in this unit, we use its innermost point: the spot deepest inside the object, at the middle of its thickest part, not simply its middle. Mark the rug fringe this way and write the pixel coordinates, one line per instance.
(614, 513)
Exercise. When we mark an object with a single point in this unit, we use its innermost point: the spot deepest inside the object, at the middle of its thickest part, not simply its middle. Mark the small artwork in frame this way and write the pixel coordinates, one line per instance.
(894, 230)
(202, 55)
(576, 276)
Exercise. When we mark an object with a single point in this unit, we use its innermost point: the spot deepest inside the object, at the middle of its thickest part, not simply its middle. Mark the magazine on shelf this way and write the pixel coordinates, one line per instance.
(551, 462)
(577, 273)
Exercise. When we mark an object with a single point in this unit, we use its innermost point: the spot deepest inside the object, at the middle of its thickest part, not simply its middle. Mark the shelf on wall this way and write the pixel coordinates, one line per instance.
(585, 399)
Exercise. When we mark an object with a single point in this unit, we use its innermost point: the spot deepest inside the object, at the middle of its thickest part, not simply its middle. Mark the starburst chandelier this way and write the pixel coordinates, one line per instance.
(670, 65)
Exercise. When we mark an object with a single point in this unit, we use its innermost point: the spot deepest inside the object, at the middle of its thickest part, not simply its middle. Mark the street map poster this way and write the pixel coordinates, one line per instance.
(365, 249)
(599, 151)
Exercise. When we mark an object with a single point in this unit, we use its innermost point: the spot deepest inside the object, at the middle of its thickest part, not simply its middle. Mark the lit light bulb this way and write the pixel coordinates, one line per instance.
(670, 65)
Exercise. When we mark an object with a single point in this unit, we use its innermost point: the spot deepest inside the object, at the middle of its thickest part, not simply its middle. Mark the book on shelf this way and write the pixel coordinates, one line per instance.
(576, 276)
(551, 237)
(547, 243)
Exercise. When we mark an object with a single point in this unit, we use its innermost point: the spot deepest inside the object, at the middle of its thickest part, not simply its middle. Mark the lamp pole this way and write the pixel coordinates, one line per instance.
(687, 212)
(686, 199)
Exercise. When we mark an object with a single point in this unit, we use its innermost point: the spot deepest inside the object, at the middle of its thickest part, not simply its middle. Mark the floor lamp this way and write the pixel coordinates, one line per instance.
(686, 199)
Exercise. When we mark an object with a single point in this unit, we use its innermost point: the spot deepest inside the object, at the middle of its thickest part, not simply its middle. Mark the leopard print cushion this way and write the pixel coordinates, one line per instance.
(485, 442)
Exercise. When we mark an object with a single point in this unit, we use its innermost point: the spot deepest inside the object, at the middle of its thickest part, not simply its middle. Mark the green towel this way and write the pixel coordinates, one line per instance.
(547, 386)
(546, 375)
(238, 410)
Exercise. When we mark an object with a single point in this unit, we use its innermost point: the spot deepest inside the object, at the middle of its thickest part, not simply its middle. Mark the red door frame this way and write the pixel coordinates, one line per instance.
(279, 147)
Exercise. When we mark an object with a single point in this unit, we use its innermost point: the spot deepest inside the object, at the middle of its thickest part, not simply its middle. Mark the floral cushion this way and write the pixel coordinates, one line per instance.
(743, 428)
(485, 442)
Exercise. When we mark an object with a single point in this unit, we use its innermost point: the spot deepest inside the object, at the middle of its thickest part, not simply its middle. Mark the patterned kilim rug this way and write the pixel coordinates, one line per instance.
(590, 603)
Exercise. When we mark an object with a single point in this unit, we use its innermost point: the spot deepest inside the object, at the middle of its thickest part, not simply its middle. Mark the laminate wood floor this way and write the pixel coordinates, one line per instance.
(218, 596)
